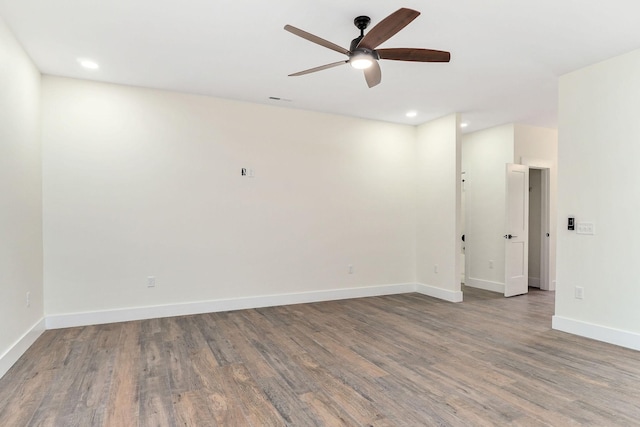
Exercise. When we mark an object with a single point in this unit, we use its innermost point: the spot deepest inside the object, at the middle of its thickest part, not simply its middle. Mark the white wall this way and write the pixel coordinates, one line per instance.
(144, 183)
(20, 201)
(484, 155)
(539, 146)
(598, 178)
(438, 228)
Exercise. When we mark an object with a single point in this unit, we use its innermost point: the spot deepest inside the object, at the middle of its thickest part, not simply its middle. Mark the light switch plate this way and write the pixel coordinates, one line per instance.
(586, 228)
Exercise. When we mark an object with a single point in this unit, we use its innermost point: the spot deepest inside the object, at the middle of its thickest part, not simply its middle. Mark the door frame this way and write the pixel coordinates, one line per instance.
(545, 167)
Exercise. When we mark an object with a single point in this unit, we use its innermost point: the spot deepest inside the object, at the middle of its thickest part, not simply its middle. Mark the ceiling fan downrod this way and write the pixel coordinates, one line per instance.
(361, 22)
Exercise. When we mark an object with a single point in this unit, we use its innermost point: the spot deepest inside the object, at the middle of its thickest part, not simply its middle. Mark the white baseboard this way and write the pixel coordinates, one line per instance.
(151, 312)
(597, 332)
(14, 352)
(140, 313)
(534, 282)
(443, 294)
(485, 284)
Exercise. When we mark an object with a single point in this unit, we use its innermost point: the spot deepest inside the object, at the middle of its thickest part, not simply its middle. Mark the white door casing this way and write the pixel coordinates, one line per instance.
(546, 279)
(516, 231)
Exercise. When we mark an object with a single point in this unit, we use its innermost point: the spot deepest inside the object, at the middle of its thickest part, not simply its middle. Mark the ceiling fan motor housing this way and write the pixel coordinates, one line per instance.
(359, 51)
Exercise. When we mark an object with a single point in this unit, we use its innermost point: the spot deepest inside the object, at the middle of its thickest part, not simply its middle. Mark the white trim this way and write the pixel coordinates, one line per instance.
(536, 163)
(485, 284)
(597, 332)
(545, 247)
(443, 294)
(545, 258)
(11, 356)
(152, 312)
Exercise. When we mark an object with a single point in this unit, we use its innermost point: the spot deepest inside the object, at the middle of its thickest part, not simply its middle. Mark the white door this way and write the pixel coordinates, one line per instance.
(516, 239)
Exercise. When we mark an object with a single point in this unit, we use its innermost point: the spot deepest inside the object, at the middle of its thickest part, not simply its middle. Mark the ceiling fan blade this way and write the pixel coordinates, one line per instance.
(386, 28)
(373, 74)
(315, 39)
(320, 68)
(418, 55)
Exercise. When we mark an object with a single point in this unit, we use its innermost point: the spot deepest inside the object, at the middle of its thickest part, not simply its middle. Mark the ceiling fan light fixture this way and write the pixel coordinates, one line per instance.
(363, 51)
(361, 60)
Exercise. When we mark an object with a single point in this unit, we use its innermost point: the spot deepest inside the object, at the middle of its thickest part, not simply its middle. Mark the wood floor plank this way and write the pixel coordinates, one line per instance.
(255, 404)
(218, 341)
(28, 396)
(154, 391)
(156, 405)
(193, 408)
(123, 405)
(80, 389)
(360, 407)
(327, 411)
(344, 354)
(33, 376)
(397, 360)
(273, 351)
(293, 411)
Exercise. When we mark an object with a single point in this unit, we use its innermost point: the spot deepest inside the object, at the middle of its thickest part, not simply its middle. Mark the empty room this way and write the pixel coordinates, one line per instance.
(287, 214)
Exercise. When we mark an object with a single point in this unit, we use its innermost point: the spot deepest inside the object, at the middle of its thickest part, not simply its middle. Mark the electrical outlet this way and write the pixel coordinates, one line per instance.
(435, 268)
(151, 282)
(579, 290)
(28, 299)
(491, 264)
(350, 268)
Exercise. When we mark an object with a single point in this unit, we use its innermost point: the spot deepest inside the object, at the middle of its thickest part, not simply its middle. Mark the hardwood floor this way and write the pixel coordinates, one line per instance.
(403, 360)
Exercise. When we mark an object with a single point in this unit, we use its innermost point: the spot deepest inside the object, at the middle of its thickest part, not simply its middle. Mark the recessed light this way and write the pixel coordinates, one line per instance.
(464, 125)
(89, 64)
(412, 113)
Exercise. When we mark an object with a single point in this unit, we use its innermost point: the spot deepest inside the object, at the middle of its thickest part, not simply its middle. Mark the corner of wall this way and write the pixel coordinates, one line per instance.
(16, 350)
(21, 193)
(438, 168)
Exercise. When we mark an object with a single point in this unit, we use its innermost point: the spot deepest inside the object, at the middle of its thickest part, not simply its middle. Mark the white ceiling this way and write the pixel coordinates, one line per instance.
(506, 54)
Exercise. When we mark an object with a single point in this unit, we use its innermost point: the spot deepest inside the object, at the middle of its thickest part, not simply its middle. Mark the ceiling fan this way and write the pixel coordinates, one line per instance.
(363, 53)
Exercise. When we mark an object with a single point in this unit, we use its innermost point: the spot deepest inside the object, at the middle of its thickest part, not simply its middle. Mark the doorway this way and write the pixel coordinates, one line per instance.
(539, 228)
(535, 227)
(527, 255)
(483, 254)
(463, 211)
